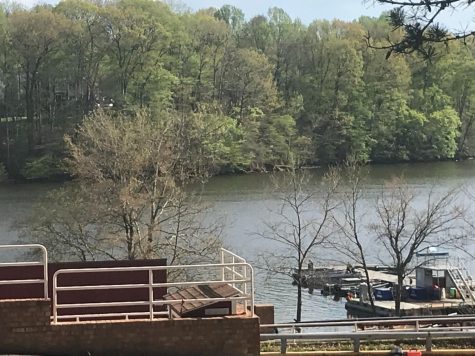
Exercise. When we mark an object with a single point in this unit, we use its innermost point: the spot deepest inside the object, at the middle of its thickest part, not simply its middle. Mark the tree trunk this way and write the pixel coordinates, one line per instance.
(29, 85)
(368, 282)
(398, 295)
(129, 237)
(298, 317)
(152, 229)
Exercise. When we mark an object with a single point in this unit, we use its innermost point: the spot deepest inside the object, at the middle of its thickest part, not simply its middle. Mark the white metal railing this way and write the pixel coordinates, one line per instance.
(242, 279)
(411, 328)
(237, 273)
(43, 263)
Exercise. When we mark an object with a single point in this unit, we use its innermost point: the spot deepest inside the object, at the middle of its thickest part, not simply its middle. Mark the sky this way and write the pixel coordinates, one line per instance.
(309, 10)
(305, 10)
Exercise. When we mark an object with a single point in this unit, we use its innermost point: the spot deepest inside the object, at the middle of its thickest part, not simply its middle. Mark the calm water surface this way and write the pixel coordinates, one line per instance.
(245, 202)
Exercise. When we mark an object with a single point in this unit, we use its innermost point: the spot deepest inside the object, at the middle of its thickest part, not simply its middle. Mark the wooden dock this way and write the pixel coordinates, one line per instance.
(317, 278)
(384, 308)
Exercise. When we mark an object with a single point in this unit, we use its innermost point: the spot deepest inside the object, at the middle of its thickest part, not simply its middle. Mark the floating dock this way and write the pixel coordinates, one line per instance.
(439, 285)
(386, 308)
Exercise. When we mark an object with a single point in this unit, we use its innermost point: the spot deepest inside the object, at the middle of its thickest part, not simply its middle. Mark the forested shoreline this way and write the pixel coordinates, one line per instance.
(258, 94)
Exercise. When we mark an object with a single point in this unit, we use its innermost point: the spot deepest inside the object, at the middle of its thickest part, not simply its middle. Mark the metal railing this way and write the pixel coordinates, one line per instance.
(462, 280)
(242, 279)
(237, 273)
(423, 328)
(43, 263)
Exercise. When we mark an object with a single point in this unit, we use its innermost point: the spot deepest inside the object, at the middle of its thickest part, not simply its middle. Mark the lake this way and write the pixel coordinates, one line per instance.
(245, 202)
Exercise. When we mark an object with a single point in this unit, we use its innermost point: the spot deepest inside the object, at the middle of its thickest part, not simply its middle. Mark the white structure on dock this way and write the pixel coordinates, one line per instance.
(451, 275)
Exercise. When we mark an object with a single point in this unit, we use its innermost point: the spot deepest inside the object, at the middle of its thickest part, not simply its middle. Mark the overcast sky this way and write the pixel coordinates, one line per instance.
(308, 10)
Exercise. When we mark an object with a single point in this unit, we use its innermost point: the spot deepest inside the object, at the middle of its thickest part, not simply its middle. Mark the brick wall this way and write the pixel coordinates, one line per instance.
(265, 312)
(25, 329)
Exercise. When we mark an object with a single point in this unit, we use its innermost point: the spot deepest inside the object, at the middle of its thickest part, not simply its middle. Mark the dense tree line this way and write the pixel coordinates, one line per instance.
(268, 92)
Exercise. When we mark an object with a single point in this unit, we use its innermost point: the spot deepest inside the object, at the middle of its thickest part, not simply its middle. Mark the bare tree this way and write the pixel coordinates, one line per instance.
(350, 221)
(69, 226)
(75, 226)
(404, 226)
(302, 225)
(137, 166)
(189, 234)
(131, 170)
(126, 162)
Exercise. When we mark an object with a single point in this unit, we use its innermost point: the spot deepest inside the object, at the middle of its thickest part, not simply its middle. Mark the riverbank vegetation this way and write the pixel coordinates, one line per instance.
(266, 92)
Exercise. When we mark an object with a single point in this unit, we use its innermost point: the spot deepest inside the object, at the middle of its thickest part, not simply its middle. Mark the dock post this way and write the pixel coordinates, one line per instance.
(283, 346)
(428, 342)
(356, 345)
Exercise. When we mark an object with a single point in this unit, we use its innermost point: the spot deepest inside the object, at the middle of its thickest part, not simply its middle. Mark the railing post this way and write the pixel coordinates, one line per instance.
(429, 342)
(150, 293)
(245, 286)
(283, 346)
(45, 271)
(417, 325)
(252, 289)
(222, 268)
(234, 272)
(356, 345)
(55, 299)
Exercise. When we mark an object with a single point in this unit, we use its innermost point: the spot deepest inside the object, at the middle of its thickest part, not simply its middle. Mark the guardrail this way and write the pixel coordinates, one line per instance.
(361, 324)
(43, 263)
(242, 279)
(426, 328)
(356, 338)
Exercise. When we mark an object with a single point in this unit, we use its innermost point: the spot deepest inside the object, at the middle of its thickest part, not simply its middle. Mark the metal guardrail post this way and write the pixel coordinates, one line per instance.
(283, 346)
(234, 272)
(150, 293)
(245, 288)
(45, 269)
(251, 270)
(223, 268)
(356, 345)
(55, 299)
(429, 342)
